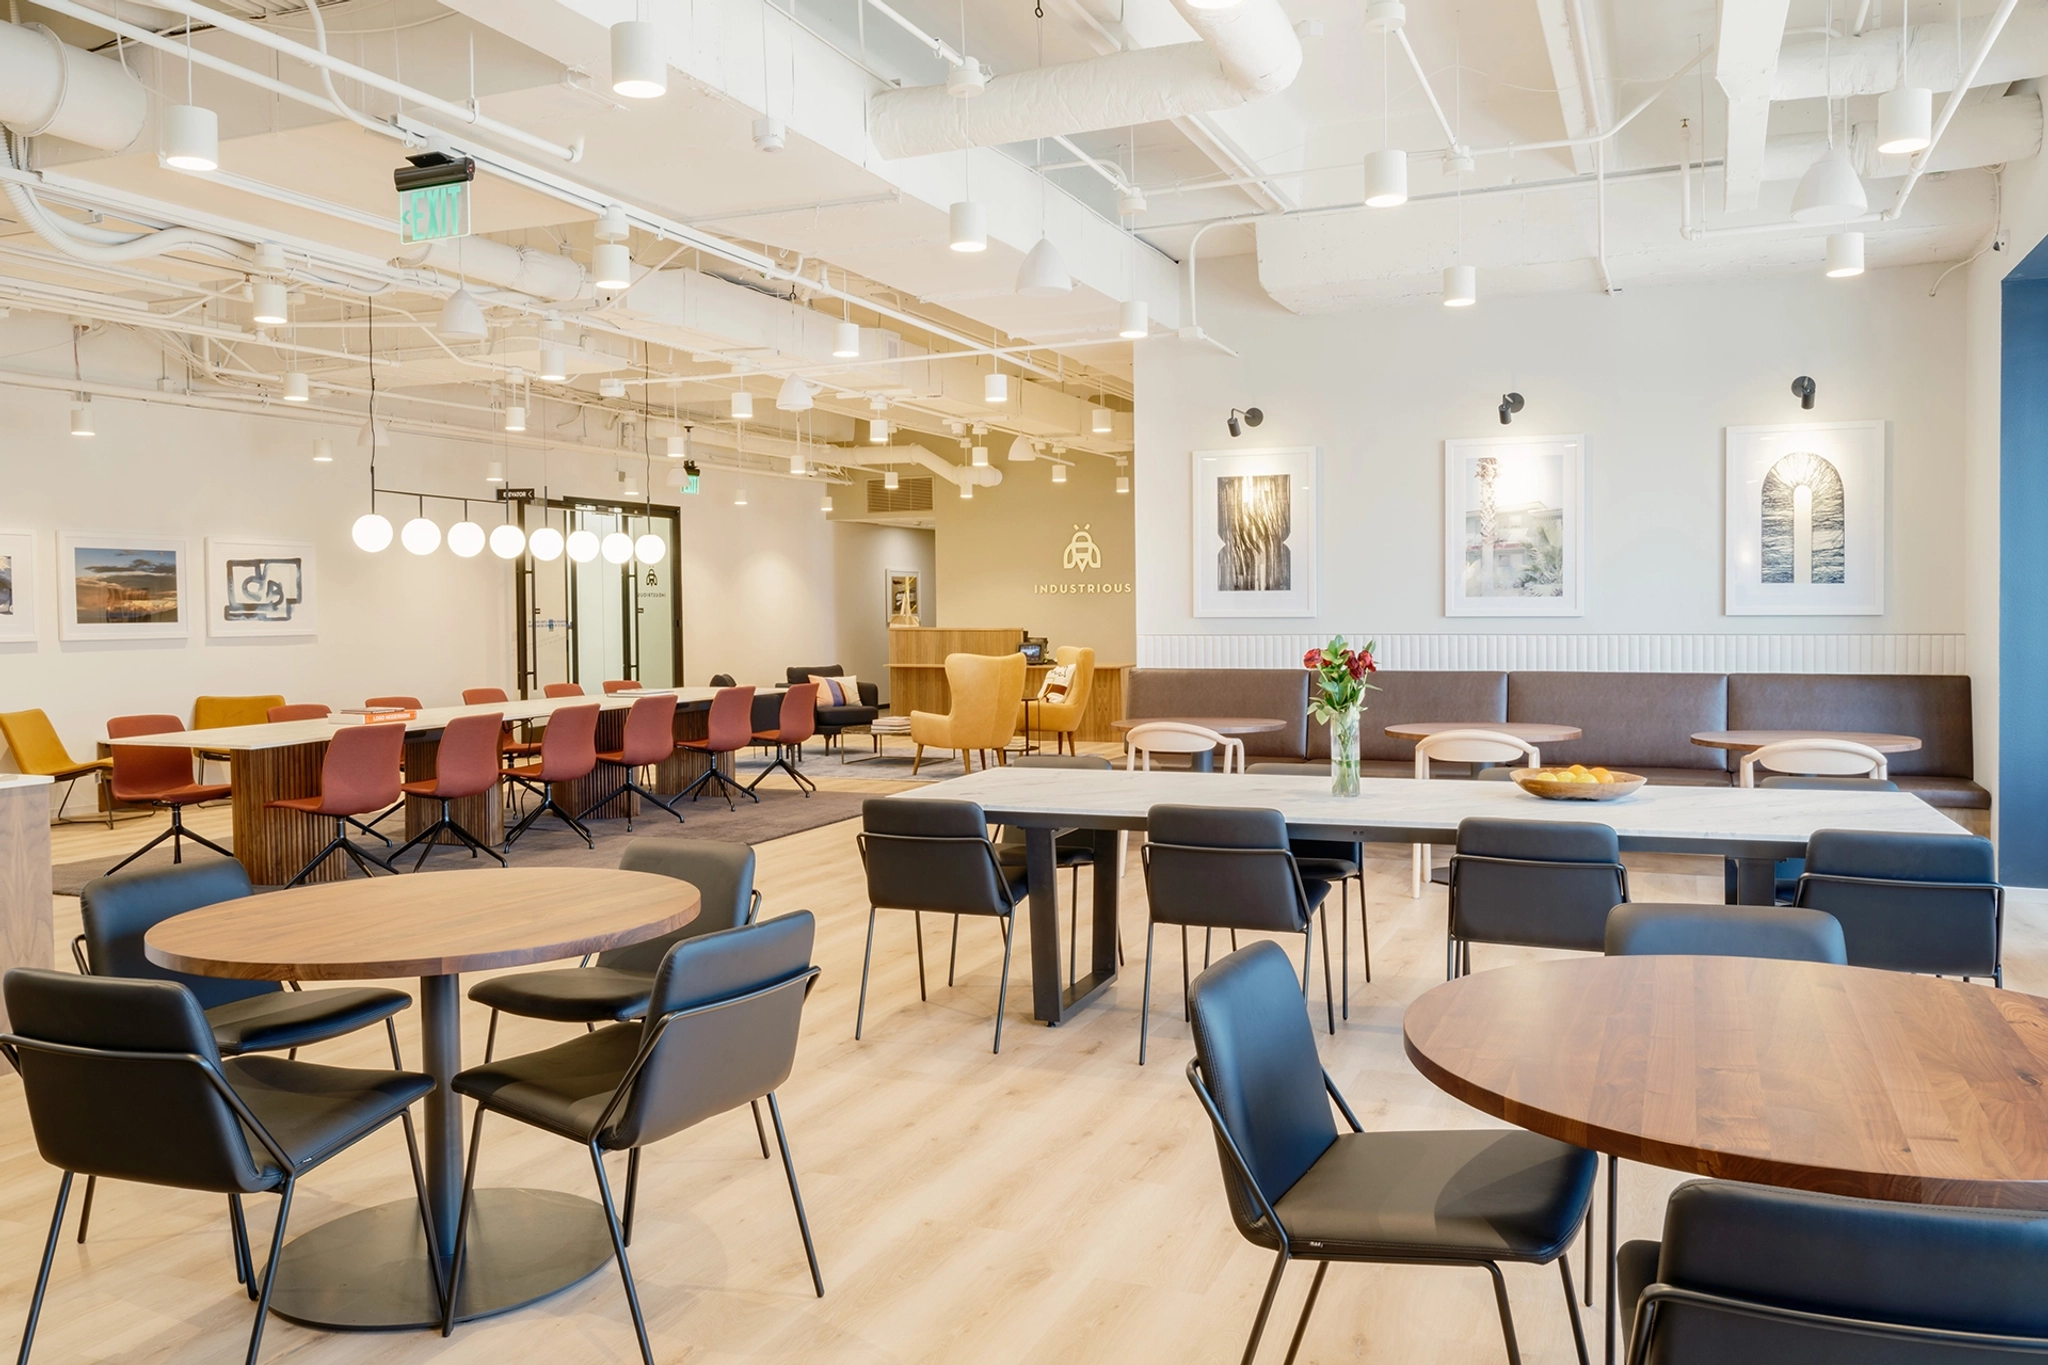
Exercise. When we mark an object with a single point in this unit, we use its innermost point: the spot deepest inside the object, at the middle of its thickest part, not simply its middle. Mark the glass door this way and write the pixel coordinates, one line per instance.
(592, 620)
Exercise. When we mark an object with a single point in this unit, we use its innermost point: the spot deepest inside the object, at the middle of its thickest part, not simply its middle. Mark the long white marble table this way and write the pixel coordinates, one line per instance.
(1754, 826)
(270, 762)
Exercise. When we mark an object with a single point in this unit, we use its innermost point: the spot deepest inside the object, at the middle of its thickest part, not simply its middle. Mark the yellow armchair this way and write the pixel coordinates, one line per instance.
(987, 690)
(40, 753)
(1061, 719)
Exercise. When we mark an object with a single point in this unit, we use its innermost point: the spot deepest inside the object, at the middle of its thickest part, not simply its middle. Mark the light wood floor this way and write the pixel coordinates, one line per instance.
(1055, 1203)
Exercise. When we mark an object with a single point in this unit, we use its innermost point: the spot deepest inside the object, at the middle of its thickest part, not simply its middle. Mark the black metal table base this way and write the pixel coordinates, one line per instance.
(367, 1271)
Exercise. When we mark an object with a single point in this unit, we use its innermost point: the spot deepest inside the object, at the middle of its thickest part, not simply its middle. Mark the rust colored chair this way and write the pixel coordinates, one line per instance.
(483, 696)
(797, 723)
(465, 765)
(298, 710)
(553, 690)
(508, 747)
(402, 703)
(147, 775)
(359, 775)
(731, 727)
(568, 753)
(612, 685)
(650, 737)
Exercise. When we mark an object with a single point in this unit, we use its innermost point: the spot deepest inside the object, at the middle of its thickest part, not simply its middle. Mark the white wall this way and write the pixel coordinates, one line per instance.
(1650, 377)
(757, 586)
(863, 554)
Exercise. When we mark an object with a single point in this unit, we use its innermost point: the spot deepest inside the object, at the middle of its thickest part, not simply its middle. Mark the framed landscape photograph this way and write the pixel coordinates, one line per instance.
(117, 586)
(17, 586)
(1255, 531)
(1806, 519)
(259, 588)
(1514, 526)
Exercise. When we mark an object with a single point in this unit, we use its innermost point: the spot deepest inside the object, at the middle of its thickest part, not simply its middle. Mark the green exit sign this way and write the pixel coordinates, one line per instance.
(433, 212)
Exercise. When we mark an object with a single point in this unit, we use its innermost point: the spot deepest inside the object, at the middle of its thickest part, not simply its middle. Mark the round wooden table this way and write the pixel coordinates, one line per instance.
(1228, 726)
(369, 1270)
(1747, 741)
(1532, 731)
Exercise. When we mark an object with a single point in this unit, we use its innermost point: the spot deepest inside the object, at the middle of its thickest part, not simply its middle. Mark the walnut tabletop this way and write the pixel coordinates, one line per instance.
(1222, 725)
(1841, 1080)
(422, 924)
(1533, 732)
(1744, 741)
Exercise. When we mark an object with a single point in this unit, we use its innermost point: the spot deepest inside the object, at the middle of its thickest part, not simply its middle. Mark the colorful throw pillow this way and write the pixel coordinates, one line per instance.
(841, 691)
(1058, 682)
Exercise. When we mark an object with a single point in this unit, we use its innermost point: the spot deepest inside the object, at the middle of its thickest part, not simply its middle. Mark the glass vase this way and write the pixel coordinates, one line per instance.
(1344, 752)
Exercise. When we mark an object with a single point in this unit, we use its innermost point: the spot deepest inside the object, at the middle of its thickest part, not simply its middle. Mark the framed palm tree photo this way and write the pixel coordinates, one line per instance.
(1515, 526)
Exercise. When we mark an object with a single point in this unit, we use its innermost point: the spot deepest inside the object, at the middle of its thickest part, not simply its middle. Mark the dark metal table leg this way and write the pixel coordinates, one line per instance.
(1756, 881)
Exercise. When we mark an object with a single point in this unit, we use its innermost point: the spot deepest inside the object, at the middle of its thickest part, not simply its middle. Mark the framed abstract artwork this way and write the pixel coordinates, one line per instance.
(1255, 531)
(118, 586)
(260, 588)
(18, 592)
(1806, 517)
(1515, 526)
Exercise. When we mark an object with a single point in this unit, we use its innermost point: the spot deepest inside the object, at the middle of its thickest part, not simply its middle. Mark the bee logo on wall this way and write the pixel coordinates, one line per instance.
(1082, 551)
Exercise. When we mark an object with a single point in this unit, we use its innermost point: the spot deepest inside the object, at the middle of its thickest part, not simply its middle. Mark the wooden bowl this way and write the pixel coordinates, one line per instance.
(1543, 782)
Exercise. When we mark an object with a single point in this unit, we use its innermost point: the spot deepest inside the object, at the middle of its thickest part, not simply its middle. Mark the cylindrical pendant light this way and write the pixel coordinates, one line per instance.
(515, 418)
(297, 388)
(878, 431)
(270, 303)
(1905, 120)
(546, 544)
(890, 480)
(371, 532)
(611, 265)
(1059, 473)
(739, 497)
(582, 546)
(1101, 421)
(495, 472)
(421, 535)
(966, 490)
(1845, 254)
(969, 223)
(466, 539)
(978, 457)
(507, 541)
(81, 417)
(677, 447)
(323, 451)
(639, 69)
(995, 389)
(1461, 286)
(552, 367)
(649, 548)
(616, 547)
(1386, 178)
(798, 465)
(191, 138)
(1135, 322)
(743, 406)
(845, 340)
(1123, 483)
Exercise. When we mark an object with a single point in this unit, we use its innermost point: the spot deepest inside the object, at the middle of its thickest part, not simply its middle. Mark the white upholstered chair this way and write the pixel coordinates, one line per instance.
(1178, 737)
(1815, 756)
(1463, 746)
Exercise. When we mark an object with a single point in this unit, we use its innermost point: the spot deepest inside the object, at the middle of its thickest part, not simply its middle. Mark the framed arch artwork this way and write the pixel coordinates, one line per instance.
(1808, 505)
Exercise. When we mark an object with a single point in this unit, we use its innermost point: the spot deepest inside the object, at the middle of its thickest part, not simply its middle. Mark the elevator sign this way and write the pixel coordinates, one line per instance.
(433, 212)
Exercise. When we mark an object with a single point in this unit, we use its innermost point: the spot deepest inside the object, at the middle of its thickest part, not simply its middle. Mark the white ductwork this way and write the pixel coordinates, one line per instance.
(959, 475)
(1990, 133)
(522, 269)
(1869, 65)
(49, 88)
(1247, 52)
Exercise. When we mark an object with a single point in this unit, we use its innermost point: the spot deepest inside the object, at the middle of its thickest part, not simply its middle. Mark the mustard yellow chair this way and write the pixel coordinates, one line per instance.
(40, 753)
(987, 692)
(1061, 719)
(218, 713)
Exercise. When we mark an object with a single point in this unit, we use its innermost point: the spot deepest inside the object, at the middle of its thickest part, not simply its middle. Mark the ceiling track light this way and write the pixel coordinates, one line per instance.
(611, 386)
(1059, 473)
(965, 79)
(878, 431)
(611, 225)
(1130, 202)
(1461, 286)
(639, 66)
(769, 134)
(968, 223)
(978, 457)
(1845, 255)
(297, 388)
(191, 138)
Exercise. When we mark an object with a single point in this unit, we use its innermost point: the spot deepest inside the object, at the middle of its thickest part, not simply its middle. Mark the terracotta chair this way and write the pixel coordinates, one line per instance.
(649, 738)
(553, 690)
(465, 765)
(797, 723)
(38, 752)
(568, 753)
(731, 728)
(149, 776)
(402, 703)
(1062, 718)
(987, 690)
(612, 685)
(298, 710)
(483, 696)
(509, 747)
(359, 775)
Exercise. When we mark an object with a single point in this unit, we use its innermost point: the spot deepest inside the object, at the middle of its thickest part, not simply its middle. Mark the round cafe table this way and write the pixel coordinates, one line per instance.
(1748, 741)
(1534, 732)
(368, 1270)
(1231, 727)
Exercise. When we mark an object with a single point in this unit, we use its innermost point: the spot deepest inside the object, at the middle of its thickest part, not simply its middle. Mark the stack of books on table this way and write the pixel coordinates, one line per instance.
(890, 725)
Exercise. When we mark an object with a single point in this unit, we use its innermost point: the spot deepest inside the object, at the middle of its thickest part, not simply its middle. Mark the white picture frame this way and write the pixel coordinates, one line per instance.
(1255, 531)
(1808, 505)
(20, 587)
(257, 589)
(149, 575)
(1515, 530)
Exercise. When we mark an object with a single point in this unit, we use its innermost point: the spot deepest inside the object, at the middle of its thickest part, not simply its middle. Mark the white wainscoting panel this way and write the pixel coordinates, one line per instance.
(1747, 653)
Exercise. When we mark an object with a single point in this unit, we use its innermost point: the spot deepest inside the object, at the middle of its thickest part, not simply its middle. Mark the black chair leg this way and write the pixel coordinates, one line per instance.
(35, 1303)
(1251, 1347)
(419, 1188)
(632, 1194)
(861, 1012)
(476, 1138)
(1145, 1001)
(1507, 1316)
(953, 953)
(604, 1187)
(1571, 1301)
(1074, 928)
(1315, 1287)
(917, 922)
(1003, 986)
(795, 1195)
(759, 1131)
(284, 1213)
(238, 1235)
(1364, 930)
(92, 1183)
(491, 1038)
(1344, 939)
(1589, 1253)
(1329, 993)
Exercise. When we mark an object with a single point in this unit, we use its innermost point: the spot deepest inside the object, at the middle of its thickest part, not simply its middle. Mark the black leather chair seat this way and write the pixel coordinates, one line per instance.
(1075, 848)
(312, 1109)
(569, 995)
(563, 1089)
(1483, 1192)
(288, 1019)
(1325, 869)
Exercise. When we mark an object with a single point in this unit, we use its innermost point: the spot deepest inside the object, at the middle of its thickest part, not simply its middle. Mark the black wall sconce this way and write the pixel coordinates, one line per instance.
(1252, 417)
(1510, 404)
(1803, 388)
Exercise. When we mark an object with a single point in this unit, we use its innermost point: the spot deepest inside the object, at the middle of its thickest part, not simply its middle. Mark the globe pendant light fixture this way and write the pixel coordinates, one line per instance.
(371, 532)
(1134, 322)
(546, 544)
(466, 539)
(617, 547)
(191, 138)
(582, 546)
(1044, 274)
(639, 68)
(1461, 286)
(1386, 178)
(462, 318)
(1845, 255)
(650, 548)
(507, 541)
(420, 535)
(1829, 192)
(969, 223)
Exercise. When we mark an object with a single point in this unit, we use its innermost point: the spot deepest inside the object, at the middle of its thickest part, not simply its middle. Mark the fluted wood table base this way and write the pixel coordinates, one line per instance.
(274, 844)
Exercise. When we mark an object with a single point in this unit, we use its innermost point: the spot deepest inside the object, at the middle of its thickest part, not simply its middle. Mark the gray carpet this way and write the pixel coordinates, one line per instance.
(550, 844)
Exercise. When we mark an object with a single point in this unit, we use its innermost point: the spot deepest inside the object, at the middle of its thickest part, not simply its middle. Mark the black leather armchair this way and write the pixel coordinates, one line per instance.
(1910, 902)
(834, 719)
(1784, 1277)
(1532, 883)
(1644, 928)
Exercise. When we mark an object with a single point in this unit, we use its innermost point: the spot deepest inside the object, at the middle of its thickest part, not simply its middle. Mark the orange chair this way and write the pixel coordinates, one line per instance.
(148, 775)
(401, 703)
(731, 726)
(553, 690)
(797, 723)
(359, 775)
(465, 765)
(612, 685)
(508, 746)
(298, 710)
(650, 737)
(568, 753)
(483, 696)
(40, 753)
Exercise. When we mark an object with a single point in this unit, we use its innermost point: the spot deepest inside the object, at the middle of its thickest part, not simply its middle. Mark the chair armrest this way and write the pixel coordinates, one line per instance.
(78, 955)
(870, 693)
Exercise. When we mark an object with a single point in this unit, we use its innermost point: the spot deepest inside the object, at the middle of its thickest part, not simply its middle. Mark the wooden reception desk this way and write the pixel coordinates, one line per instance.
(917, 674)
(25, 928)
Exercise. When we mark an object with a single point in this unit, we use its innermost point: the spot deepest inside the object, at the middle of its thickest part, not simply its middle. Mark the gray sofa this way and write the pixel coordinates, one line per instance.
(1640, 722)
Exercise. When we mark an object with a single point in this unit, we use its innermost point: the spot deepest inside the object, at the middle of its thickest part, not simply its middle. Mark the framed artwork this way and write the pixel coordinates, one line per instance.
(17, 586)
(1806, 519)
(903, 606)
(115, 586)
(1515, 526)
(1255, 531)
(259, 588)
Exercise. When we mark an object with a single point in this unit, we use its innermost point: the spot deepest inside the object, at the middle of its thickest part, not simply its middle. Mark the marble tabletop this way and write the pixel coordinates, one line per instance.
(1758, 822)
(23, 780)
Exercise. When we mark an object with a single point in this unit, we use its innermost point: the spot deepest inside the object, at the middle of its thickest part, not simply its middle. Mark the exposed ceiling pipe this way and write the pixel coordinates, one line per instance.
(70, 238)
(1247, 52)
(1987, 133)
(1869, 65)
(48, 87)
(522, 269)
(1994, 26)
(959, 475)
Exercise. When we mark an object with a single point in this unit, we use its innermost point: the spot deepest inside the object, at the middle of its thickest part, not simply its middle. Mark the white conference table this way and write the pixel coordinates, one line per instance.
(1754, 826)
(271, 762)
